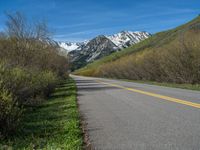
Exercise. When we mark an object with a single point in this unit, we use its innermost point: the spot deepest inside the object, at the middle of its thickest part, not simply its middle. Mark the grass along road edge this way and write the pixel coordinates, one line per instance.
(55, 124)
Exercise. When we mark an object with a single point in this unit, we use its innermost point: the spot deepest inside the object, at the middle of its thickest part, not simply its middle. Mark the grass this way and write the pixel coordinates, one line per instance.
(54, 125)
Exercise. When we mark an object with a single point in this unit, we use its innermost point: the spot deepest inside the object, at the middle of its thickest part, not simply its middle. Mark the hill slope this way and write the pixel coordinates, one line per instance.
(93, 50)
(170, 56)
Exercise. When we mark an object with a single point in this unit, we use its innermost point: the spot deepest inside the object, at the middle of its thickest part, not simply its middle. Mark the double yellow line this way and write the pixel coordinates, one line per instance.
(180, 101)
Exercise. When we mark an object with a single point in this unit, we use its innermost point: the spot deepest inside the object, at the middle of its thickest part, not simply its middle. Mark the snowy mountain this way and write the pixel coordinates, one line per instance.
(96, 48)
(70, 46)
(127, 38)
(83, 53)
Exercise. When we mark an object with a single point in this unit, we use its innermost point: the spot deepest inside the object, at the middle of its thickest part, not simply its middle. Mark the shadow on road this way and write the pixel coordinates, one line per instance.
(85, 81)
(90, 86)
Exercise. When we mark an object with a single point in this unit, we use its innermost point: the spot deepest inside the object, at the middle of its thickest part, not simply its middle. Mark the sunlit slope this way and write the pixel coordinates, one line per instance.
(167, 44)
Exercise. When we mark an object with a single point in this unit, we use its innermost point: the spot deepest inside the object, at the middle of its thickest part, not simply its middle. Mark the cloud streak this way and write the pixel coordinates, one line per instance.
(74, 25)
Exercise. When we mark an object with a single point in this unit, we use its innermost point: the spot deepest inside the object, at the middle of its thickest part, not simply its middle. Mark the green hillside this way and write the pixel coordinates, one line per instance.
(140, 60)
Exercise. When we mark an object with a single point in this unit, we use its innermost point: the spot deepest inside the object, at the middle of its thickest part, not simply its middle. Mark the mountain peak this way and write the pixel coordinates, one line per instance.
(103, 45)
(125, 39)
(70, 46)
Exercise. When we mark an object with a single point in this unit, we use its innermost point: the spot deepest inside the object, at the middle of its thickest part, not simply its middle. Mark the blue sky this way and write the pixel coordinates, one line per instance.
(78, 20)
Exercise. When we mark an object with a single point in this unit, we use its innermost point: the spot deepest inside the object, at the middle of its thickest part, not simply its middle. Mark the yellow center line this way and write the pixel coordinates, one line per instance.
(176, 100)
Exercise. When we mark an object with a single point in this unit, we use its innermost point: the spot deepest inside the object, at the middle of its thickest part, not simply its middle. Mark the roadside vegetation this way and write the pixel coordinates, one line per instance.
(31, 65)
(171, 56)
(54, 124)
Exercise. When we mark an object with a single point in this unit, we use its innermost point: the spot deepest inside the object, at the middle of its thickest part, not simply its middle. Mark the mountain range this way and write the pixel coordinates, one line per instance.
(82, 53)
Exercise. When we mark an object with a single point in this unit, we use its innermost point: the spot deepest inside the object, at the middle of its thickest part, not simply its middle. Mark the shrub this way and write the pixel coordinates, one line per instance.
(20, 87)
(30, 65)
(45, 82)
(10, 113)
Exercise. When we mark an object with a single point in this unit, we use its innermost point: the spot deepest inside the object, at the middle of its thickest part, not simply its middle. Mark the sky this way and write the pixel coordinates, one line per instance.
(79, 20)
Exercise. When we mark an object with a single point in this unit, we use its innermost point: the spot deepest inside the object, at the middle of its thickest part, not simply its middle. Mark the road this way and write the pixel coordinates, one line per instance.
(126, 115)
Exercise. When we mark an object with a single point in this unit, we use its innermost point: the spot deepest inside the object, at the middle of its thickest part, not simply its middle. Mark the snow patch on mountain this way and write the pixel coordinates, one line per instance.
(127, 38)
(70, 46)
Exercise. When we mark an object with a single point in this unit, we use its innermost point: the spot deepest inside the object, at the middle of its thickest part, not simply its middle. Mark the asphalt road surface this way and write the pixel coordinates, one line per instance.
(126, 115)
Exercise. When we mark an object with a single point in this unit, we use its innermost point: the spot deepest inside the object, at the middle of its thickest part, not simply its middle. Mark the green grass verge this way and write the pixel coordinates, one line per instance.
(54, 125)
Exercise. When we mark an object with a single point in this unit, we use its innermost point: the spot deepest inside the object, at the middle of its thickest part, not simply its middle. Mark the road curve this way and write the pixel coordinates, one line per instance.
(125, 115)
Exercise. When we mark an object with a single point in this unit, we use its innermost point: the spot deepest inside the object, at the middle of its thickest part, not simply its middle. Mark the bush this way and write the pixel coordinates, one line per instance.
(10, 113)
(44, 83)
(31, 64)
(21, 87)
(27, 84)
